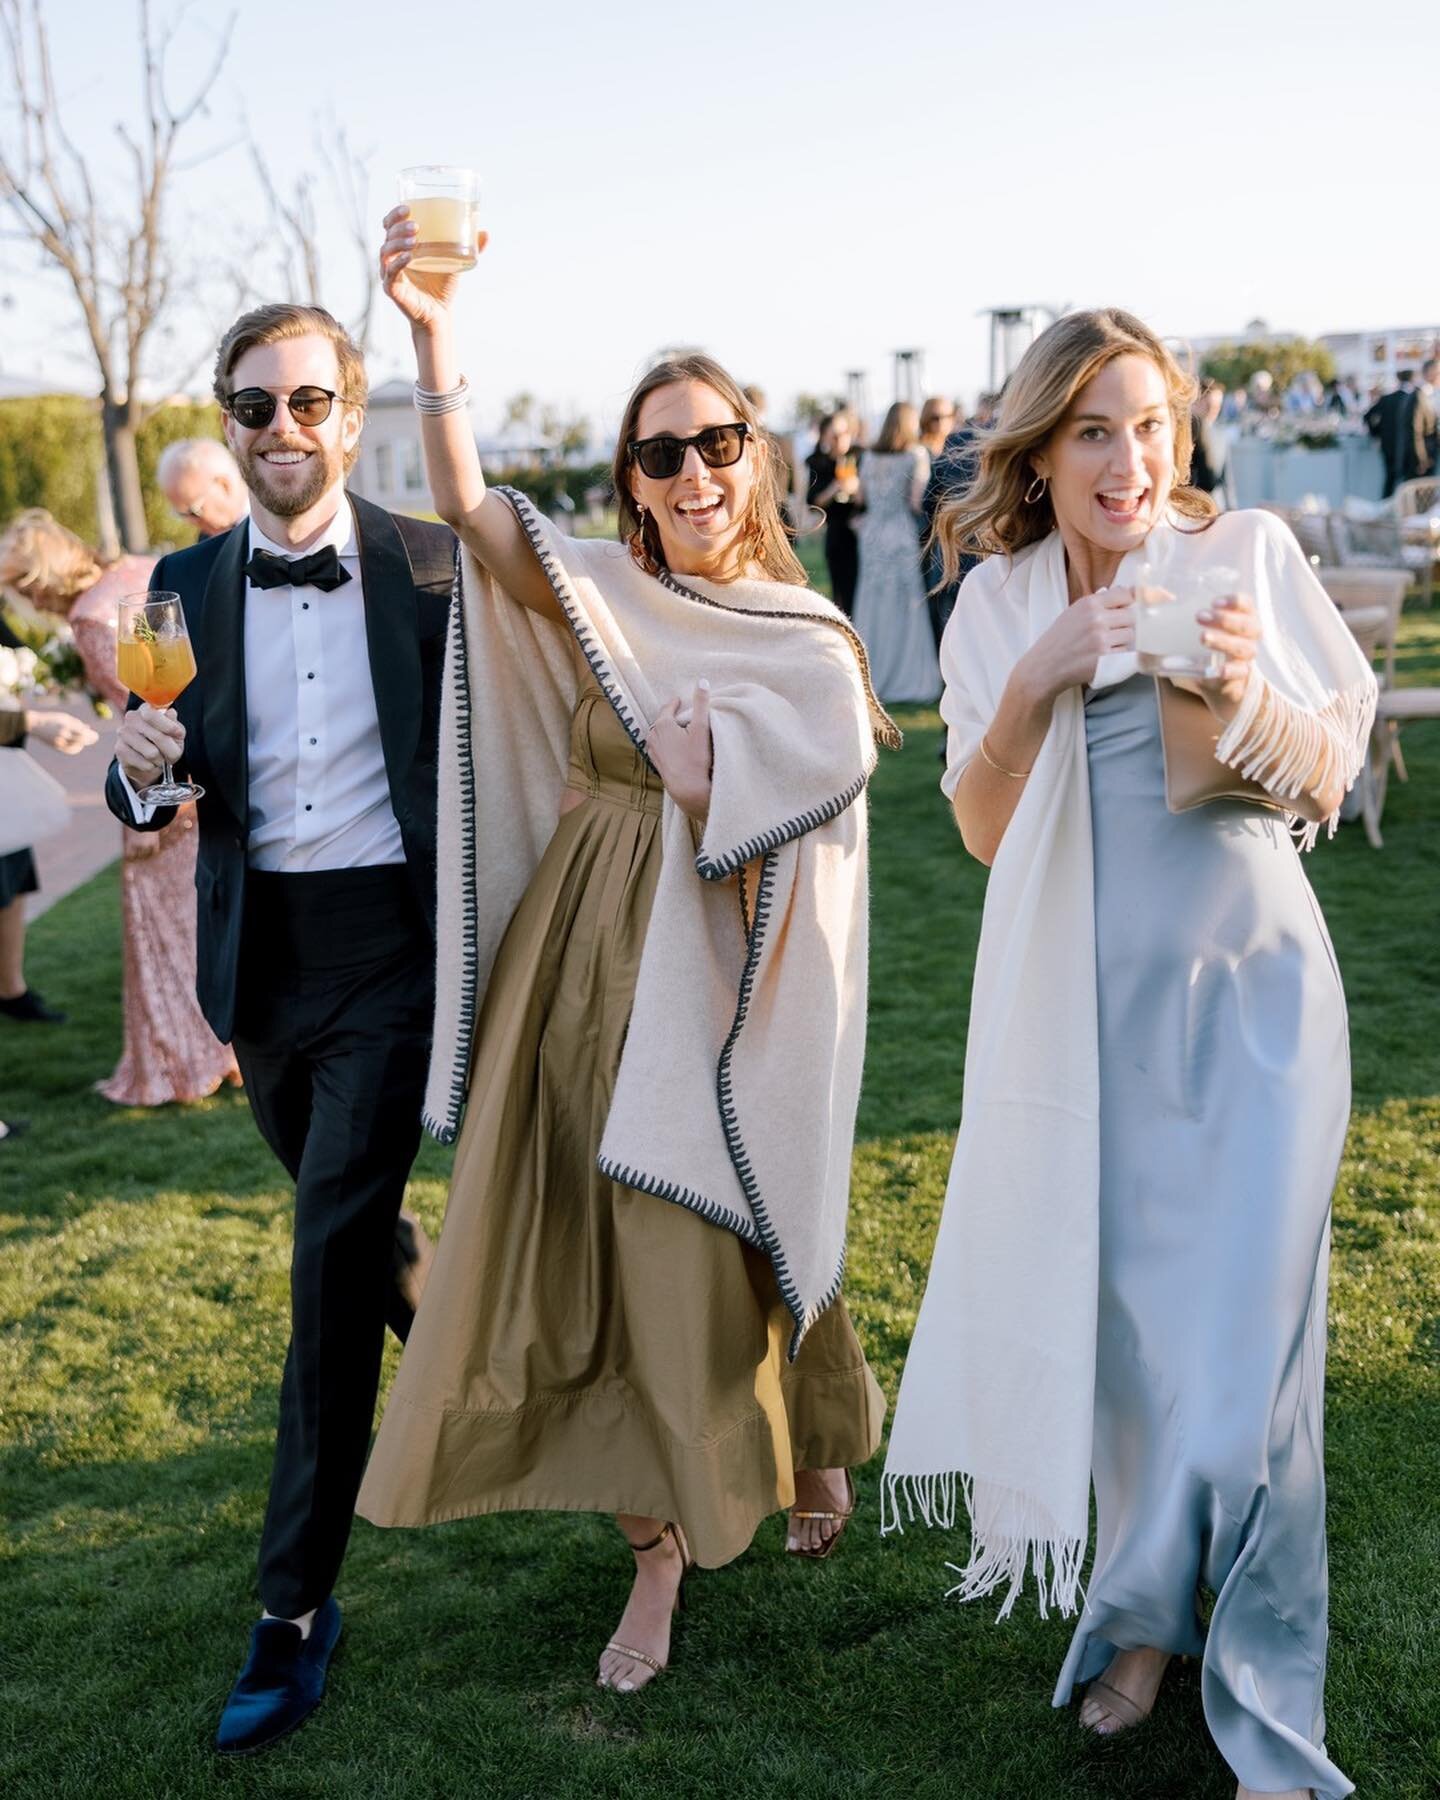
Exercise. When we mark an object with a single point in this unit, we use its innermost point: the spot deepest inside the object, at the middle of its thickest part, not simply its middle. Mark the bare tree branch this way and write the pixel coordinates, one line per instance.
(350, 178)
(119, 268)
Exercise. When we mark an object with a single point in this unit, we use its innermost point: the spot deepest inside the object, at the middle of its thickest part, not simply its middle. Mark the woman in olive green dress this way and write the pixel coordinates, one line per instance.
(585, 1344)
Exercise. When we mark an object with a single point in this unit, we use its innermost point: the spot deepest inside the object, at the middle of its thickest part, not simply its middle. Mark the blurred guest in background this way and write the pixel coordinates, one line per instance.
(890, 611)
(781, 461)
(18, 876)
(950, 473)
(833, 485)
(201, 484)
(1430, 403)
(1209, 461)
(1401, 422)
(169, 1052)
(937, 421)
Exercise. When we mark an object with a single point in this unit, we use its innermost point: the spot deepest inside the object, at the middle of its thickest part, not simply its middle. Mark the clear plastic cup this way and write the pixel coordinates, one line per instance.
(445, 206)
(1168, 631)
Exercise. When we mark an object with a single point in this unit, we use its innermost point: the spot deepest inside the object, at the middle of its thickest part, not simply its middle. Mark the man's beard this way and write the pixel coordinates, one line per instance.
(325, 467)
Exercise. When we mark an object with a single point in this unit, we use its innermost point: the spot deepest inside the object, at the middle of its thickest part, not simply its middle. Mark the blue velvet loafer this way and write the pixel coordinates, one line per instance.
(282, 1683)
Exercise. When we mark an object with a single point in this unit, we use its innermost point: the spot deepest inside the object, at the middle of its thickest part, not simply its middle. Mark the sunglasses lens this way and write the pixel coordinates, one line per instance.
(660, 458)
(720, 446)
(310, 406)
(252, 408)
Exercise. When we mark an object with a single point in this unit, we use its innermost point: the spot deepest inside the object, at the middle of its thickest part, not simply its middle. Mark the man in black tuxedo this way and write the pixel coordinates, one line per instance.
(1401, 421)
(319, 626)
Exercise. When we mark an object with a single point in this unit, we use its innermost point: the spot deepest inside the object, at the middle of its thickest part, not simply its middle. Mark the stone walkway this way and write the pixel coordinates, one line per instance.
(91, 841)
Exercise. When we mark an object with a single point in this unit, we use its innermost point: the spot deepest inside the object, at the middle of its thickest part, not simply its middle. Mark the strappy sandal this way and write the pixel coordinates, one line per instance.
(1121, 1706)
(670, 1529)
(840, 1519)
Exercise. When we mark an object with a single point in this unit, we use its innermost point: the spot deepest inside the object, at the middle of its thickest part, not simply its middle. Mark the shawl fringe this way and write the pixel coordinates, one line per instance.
(1009, 1533)
(1282, 746)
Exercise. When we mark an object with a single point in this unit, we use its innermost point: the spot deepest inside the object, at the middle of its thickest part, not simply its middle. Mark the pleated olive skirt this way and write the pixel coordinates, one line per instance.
(581, 1346)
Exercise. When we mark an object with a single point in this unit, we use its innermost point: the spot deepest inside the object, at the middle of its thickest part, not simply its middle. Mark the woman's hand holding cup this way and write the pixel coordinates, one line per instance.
(424, 297)
(1065, 655)
(1230, 625)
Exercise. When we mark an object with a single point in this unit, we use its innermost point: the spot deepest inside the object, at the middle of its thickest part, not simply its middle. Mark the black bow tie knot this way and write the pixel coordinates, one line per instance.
(320, 569)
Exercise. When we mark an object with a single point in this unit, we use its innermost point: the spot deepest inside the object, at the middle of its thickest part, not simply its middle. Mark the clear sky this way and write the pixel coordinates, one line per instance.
(802, 189)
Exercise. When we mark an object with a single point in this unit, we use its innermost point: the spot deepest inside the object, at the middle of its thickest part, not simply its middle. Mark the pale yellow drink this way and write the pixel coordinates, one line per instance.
(446, 226)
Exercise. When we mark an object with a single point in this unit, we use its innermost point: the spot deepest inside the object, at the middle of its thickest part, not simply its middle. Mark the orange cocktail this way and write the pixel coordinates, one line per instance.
(158, 671)
(154, 658)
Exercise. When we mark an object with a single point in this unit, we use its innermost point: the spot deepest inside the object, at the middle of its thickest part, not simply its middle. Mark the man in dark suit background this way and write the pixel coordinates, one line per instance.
(953, 469)
(1402, 421)
(319, 626)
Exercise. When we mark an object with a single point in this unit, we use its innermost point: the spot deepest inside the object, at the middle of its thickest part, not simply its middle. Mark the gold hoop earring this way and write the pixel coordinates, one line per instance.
(1035, 490)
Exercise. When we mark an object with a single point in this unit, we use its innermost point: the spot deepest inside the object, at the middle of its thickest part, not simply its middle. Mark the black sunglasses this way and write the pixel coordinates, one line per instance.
(254, 407)
(662, 457)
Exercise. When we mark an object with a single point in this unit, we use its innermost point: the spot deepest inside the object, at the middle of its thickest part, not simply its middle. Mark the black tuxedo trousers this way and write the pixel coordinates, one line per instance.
(322, 981)
(332, 1034)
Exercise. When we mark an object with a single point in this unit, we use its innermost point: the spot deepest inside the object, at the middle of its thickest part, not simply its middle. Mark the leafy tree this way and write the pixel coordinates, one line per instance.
(51, 455)
(810, 409)
(1284, 357)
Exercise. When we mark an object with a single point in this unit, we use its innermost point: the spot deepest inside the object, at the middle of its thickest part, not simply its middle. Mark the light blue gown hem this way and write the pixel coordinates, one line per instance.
(1224, 1098)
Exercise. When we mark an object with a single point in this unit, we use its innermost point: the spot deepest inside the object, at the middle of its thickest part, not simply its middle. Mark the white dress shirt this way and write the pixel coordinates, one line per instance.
(319, 797)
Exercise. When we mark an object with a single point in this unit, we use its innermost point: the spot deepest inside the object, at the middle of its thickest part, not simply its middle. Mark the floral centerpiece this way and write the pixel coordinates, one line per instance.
(45, 662)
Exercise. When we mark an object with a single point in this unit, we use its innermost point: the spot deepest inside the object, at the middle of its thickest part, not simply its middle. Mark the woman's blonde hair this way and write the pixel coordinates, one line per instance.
(46, 563)
(901, 430)
(993, 512)
(765, 542)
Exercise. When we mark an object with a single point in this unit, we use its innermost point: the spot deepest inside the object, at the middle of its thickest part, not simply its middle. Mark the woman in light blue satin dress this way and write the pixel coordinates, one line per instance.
(1223, 1084)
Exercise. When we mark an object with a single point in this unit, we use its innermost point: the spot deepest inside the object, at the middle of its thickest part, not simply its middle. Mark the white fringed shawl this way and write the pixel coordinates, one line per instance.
(740, 1076)
(997, 1396)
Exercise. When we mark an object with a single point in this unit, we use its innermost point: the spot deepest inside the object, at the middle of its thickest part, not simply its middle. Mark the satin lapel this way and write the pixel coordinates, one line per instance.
(222, 664)
(392, 638)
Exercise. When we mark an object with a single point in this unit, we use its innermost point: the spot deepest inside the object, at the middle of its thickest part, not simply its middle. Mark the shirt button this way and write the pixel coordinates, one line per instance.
(314, 740)
(309, 807)
(309, 674)
(304, 606)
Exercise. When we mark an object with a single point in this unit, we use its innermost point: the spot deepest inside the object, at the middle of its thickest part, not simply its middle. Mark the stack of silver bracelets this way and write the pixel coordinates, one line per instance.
(452, 400)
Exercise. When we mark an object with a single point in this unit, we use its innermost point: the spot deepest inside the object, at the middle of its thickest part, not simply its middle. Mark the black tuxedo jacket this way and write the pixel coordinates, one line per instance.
(408, 569)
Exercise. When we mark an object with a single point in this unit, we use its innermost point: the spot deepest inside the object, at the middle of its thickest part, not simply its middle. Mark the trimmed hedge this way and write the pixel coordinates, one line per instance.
(51, 455)
(545, 485)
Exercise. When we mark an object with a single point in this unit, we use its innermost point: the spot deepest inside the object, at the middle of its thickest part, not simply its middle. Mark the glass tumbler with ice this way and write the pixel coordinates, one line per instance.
(1168, 631)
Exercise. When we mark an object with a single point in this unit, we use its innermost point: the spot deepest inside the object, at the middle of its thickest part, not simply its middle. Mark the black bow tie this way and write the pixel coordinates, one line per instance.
(320, 569)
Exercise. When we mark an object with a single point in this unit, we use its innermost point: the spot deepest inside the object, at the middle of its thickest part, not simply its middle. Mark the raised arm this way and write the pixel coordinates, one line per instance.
(484, 523)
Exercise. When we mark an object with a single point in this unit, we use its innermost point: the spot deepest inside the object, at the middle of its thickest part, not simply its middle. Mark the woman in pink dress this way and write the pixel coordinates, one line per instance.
(169, 1052)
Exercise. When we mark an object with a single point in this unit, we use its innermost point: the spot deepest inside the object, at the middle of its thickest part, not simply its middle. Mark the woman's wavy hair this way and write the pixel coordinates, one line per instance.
(992, 513)
(766, 540)
(901, 430)
(45, 563)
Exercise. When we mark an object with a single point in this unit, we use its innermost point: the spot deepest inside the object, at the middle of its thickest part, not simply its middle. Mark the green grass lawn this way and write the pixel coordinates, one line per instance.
(142, 1324)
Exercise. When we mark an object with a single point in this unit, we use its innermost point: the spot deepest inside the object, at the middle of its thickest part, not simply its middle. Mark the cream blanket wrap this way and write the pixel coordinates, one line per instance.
(738, 1085)
(997, 1397)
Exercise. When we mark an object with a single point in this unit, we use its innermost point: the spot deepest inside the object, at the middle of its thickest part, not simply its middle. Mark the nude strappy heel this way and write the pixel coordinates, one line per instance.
(670, 1529)
(842, 1519)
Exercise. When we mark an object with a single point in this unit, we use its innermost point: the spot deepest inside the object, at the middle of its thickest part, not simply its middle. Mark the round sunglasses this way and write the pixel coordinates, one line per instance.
(255, 406)
(662, 457)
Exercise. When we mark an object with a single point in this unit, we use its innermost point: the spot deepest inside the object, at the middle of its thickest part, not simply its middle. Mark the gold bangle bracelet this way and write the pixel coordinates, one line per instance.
(999, 768)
